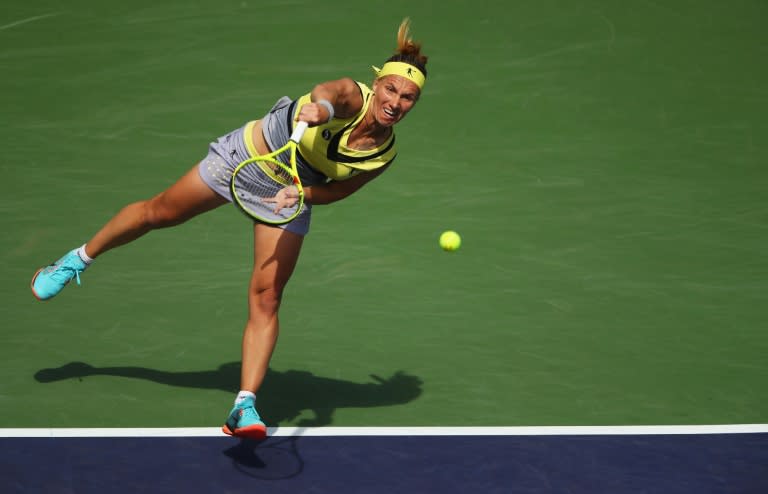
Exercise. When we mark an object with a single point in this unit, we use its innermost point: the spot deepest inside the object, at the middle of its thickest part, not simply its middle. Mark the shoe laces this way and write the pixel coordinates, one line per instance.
(65, 271)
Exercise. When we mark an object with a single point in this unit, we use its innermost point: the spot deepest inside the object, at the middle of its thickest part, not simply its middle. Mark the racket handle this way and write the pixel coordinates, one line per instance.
(298, 131)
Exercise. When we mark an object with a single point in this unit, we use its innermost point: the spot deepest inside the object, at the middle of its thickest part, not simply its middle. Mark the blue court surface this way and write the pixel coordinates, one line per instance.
(420, 460)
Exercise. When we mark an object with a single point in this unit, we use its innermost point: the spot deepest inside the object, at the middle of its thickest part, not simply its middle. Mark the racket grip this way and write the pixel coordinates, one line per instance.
(298, 131)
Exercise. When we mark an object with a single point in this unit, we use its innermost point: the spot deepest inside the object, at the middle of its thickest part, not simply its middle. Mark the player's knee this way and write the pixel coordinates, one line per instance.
(157, 214)
(266, 300)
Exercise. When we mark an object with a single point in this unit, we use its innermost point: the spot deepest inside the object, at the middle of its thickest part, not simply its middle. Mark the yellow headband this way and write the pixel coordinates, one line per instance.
(402, 69)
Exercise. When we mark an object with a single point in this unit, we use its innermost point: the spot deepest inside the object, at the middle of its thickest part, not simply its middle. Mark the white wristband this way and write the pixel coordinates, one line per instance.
(328, 106)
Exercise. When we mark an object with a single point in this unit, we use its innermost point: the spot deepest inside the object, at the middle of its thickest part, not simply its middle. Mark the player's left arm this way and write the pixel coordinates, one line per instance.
(335, 191)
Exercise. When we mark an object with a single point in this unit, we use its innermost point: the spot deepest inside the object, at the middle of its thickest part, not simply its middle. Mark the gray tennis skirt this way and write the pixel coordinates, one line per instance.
(230, 150)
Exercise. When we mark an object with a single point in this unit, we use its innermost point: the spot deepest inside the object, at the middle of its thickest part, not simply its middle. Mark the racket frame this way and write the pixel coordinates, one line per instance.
(291, 170)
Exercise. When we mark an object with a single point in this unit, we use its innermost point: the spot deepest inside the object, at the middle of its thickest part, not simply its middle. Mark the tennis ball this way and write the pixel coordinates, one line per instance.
(450, 241)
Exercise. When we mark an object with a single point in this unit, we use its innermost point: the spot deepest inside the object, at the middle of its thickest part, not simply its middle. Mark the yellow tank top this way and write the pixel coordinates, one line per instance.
(325, 147)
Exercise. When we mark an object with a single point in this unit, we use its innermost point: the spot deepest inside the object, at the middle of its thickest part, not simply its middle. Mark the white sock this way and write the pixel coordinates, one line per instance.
(243, 395)
(81, 253)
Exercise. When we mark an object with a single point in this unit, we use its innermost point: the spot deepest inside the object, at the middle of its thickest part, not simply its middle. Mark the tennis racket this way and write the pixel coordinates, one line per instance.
(268, 190)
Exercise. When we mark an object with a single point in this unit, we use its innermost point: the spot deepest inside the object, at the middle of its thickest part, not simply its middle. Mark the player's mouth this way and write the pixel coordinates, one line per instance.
(390, 114)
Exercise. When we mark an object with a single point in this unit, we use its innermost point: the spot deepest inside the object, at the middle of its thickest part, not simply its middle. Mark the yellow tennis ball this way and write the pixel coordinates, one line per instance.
(450, 241)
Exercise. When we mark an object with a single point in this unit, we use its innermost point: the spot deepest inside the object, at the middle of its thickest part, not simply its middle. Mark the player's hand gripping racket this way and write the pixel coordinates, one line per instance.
(268, 190)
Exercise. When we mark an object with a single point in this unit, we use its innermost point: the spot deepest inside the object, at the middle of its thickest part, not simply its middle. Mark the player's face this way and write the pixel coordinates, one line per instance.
(393, 99)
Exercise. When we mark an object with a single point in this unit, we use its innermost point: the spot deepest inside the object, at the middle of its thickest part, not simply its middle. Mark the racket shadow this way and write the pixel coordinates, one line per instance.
(285, 396)
(275, 458)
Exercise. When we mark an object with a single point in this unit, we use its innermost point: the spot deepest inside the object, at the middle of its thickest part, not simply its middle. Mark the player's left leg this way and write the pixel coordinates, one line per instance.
(276, 252)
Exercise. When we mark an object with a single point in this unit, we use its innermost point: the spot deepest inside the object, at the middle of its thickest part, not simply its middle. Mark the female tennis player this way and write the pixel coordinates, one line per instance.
(349, 142)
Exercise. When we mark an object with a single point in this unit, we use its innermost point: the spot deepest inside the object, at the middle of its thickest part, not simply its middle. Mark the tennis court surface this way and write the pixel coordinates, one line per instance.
(604, 163)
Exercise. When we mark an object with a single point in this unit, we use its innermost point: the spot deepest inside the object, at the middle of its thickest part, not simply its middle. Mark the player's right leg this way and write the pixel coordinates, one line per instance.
(183, 200)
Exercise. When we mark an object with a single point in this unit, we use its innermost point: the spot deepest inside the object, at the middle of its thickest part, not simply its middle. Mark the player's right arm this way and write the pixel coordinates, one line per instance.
(343, 94)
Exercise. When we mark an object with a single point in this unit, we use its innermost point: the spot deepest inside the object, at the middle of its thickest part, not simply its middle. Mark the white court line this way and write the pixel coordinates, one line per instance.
(29, 19)
(400, 431)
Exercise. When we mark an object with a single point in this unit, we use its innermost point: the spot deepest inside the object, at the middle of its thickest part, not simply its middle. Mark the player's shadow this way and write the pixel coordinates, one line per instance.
(283, 396)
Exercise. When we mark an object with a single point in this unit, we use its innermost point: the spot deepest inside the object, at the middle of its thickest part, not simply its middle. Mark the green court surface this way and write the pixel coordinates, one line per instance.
(605, 163)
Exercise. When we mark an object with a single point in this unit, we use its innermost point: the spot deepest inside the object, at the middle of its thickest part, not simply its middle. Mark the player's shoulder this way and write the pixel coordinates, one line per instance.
(352, 87)
(351, 96)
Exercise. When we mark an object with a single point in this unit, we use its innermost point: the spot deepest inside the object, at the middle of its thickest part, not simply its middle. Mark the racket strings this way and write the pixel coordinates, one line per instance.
(276, 170)
(255, 184)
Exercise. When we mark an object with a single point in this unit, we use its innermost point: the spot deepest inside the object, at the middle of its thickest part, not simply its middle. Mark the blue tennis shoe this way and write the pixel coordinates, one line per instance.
(244, 421)
(50, 280)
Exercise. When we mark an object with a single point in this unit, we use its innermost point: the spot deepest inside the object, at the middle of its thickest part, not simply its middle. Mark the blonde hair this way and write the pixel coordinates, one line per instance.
(408, 50)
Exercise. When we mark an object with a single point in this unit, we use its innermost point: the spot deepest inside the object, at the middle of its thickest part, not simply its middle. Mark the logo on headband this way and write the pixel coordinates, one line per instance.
(402, 69)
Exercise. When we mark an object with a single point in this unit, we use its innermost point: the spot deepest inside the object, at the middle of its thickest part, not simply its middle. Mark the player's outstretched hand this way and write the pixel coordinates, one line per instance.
(285, 198)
